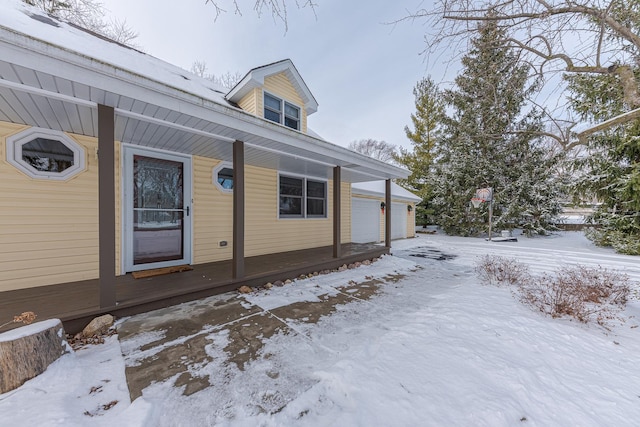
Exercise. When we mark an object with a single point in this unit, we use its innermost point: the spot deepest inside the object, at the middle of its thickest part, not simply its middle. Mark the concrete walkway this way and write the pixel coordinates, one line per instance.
(171, 344)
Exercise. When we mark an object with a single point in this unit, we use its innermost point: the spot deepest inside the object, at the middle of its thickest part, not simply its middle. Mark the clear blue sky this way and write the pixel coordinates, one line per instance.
(361, 71)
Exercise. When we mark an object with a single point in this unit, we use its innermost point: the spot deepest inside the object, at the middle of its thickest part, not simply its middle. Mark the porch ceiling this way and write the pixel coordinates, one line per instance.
(42, 99)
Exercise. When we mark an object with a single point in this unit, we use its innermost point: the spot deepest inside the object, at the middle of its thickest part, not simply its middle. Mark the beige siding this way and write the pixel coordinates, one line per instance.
(118, 194)
(213, 211)
(250, 102)
(49, 229)
(411, 220)
(345, 219)
(266, 233)
(279, 85)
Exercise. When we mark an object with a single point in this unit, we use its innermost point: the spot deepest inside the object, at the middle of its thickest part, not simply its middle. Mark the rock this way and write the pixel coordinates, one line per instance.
(358, 264)
(302, 277)
(245, 289)
(366, 262)
(278, 283)
(343, 267)
(98, 326)
(287, 282)
(351, 266)
(27, 351)
(268, 285)
(315, 273)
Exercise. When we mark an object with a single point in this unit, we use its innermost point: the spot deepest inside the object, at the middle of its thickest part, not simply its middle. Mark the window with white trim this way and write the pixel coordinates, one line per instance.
(45, 154)
(280, 111)
(302, 197)
(223, 177)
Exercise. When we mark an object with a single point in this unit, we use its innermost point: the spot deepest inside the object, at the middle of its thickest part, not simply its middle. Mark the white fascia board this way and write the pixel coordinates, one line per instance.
(50, 59)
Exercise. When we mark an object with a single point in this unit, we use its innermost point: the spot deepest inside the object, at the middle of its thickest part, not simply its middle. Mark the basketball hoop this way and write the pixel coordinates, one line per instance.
(486, 194)
(476, 202)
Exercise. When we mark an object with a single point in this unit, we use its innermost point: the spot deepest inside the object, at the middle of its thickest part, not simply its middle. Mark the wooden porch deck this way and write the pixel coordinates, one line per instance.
(76, 303)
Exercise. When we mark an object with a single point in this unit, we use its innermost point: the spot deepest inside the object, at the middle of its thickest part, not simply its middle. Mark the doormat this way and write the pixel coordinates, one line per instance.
(160, 271)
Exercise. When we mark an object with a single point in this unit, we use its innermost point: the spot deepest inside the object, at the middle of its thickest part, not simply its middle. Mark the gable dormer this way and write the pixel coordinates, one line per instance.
(276, 92)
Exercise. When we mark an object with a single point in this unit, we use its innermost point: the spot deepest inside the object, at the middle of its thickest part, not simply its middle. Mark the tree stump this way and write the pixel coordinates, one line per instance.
(27, 351)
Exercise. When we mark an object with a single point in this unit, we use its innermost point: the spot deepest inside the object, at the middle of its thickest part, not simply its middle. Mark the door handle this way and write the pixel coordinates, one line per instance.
(187, 209)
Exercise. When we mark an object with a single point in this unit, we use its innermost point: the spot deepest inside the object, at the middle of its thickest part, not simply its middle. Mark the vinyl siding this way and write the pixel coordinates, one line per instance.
(118, 194)
(250, 102)
(345, 219)
(49, 229)
(411, 220)
(266, 233)
(280, 86)
(212, 219)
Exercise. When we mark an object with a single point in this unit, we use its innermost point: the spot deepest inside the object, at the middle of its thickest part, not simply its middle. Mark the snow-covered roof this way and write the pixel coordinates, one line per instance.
(255, 78)
(54, 75)
(18, 16)
(377, 188)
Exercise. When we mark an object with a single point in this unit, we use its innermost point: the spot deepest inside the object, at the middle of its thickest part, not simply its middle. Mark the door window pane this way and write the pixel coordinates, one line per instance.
(158, 200)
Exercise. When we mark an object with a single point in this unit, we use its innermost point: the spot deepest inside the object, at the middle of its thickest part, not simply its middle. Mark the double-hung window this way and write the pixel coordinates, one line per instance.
(302, 198)
(280, 111)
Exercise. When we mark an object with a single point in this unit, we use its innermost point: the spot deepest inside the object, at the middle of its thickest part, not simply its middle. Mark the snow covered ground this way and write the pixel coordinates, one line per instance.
(433, 348)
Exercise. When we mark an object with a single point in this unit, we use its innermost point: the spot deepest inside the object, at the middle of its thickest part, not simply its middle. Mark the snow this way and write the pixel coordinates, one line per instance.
(27, 330)
(28, 21)
(433, 347)
(377, 188)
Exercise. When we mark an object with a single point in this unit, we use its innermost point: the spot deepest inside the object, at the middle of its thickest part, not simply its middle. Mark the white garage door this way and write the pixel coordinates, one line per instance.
(365, 220)
(398, 220)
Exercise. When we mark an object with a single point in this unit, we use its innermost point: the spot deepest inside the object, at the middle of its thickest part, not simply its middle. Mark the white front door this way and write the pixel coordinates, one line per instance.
(157, 209)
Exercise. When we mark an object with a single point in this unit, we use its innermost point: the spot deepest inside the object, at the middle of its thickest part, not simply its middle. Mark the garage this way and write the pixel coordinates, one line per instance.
(365, 220)
(367, 217)
(398, 220)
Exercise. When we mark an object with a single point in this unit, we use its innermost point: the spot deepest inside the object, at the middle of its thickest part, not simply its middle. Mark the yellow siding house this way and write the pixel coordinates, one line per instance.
(114, 163)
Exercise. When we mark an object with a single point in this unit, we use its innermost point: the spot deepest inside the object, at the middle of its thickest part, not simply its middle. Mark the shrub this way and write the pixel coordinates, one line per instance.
(583, 293)
(586, 294)
(496, 270)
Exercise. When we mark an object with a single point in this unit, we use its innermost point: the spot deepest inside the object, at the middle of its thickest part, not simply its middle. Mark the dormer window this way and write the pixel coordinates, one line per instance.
(280, 111)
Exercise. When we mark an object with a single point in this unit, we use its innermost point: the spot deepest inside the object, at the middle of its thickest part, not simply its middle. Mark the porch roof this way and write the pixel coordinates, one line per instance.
(53, 75)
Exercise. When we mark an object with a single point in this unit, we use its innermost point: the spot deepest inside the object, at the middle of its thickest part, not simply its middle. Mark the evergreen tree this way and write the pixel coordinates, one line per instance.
(426, 122)
(609, 168)
(489, 141)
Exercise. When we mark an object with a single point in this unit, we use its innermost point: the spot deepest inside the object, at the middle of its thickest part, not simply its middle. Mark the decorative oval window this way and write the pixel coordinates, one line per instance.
(223, 177)
(45, 154)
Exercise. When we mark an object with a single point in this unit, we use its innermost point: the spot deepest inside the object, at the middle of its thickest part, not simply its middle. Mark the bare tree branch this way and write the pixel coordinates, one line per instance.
(278, 8)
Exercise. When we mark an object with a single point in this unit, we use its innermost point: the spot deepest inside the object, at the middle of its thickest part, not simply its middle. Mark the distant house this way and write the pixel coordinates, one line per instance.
(368, 208)
(115, 162)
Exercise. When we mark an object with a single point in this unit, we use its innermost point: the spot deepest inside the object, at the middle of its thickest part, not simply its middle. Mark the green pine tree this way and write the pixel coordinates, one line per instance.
(608, 170)
(426, 122)
(490, 141)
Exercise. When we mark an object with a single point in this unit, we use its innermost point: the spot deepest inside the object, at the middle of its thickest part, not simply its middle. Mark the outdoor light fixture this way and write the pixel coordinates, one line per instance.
(409, 208)
(382, 205)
